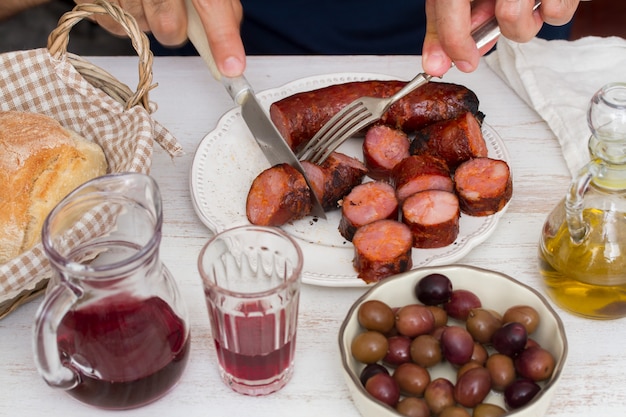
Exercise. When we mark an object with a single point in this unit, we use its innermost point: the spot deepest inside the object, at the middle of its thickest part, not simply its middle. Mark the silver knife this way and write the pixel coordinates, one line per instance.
(272, 144)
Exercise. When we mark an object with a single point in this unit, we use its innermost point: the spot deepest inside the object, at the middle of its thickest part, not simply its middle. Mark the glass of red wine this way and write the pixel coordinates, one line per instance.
(112, 330)
(251, 277)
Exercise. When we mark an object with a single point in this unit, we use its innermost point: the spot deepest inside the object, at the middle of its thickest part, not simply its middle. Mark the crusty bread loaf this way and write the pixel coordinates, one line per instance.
(40, 163)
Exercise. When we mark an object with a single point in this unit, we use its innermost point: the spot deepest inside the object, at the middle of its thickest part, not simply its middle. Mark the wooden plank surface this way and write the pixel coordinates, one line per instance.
(190, 103)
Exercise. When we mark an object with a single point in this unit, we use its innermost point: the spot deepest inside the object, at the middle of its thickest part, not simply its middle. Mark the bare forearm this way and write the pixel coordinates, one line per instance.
(9, 8)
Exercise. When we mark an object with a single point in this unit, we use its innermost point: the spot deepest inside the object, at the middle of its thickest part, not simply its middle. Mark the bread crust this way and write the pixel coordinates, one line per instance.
(40, 163)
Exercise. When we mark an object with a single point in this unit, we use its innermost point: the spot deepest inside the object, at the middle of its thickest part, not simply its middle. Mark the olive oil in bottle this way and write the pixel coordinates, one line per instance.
(582, 253)
(589, 278)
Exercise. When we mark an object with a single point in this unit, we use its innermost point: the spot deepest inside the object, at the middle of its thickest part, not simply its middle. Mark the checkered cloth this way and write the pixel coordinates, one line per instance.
(34, 81)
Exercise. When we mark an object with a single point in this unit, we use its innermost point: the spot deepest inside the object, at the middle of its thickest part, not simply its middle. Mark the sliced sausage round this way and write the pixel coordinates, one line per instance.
(381, 249)
(455, 140)
(433, 217)
(383, 148)
(484, 186)
(278, 195)
(418, 173)
(366, 203)
(334, 178)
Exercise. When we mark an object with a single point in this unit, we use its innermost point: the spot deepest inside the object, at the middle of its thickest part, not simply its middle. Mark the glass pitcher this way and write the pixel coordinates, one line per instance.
(583, 244)
(112, 330)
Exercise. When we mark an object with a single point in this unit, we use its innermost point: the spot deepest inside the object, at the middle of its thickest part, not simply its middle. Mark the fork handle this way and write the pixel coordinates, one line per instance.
(418, 81)
(490, 30)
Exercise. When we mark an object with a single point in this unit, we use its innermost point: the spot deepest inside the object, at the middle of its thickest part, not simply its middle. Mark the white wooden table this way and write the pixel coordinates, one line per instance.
(190, 103)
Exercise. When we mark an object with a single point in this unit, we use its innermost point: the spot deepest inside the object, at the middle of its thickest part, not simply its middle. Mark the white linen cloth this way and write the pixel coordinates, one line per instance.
(558, 78)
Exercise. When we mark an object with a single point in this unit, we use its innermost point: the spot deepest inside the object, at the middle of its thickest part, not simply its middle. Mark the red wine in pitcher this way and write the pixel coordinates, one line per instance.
(127, 351)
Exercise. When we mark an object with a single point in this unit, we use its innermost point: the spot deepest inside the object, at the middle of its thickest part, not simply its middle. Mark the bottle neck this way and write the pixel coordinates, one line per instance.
(609, 157)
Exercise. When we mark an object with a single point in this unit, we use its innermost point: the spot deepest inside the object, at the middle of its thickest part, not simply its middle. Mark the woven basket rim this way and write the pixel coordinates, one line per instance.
(58, 41)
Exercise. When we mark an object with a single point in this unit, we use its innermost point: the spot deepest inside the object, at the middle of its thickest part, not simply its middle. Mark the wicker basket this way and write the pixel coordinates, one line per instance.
(25, 277)
(59, 39)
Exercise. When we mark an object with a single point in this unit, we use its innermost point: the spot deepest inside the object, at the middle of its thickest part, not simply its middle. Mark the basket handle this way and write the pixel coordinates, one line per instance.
(59, 39)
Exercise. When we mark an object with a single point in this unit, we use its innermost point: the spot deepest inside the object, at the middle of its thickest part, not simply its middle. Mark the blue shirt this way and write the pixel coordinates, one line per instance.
(335, 27)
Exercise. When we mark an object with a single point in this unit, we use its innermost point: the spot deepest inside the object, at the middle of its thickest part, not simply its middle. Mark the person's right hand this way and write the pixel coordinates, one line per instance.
(167, 20)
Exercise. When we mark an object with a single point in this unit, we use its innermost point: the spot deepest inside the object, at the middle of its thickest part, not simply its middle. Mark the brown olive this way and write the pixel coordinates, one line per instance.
(482, 324)
(454, 411)
(414, 319)
(426, 351)
(502, 371)
(523, 314)
(413, 407)
(439, 394)
(412, 379)
(472, 387)
(467, 367)
(488, 410)
(441, 317)
(376, 315)
(438, 332)
(479, 354)
(535, 363)
(369, 347)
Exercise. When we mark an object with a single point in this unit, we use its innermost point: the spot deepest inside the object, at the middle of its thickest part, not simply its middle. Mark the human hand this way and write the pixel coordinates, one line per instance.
(167, 20)
(450, 22)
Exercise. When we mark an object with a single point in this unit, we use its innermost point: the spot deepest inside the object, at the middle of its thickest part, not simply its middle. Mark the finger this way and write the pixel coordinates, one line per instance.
(434, 59)
(221, 20)
(517, 19)
(167, 20)
(453, 25)
(106, 21)
(558, 12)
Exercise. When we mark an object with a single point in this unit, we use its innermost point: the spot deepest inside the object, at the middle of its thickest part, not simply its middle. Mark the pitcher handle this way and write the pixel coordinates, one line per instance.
(48, 318)
(574, 199)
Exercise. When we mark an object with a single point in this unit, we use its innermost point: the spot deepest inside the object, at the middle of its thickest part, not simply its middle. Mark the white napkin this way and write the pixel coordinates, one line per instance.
(558, 78)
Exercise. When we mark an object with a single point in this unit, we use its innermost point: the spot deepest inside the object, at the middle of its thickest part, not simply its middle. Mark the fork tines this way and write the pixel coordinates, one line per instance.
(348, 121)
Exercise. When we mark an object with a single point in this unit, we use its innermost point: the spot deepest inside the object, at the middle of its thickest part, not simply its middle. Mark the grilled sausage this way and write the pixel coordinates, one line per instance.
(418, 173)
(484, 186)
(365, 204)
(278, 195)
(433, 217)
(383, 148)
(455, 140)
(334, 178)
(381, 249)
(299, 116)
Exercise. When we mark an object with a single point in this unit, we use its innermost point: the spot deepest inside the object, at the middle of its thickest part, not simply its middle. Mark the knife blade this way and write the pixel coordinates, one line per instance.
(270, 141)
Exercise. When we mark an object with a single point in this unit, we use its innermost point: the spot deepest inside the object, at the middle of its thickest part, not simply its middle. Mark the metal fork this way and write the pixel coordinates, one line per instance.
(366, 110)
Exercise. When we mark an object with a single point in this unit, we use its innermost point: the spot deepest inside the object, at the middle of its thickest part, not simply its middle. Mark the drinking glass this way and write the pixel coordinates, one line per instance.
(251, 277)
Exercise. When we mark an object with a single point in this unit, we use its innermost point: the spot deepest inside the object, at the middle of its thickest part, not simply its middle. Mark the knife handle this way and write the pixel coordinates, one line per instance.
(197, 36)
(237, 87)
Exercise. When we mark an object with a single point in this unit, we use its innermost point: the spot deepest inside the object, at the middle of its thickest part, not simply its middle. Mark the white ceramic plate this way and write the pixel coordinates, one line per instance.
(228, 159)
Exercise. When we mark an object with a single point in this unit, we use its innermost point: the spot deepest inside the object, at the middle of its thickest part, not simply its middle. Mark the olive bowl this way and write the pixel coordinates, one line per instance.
(497, 292)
